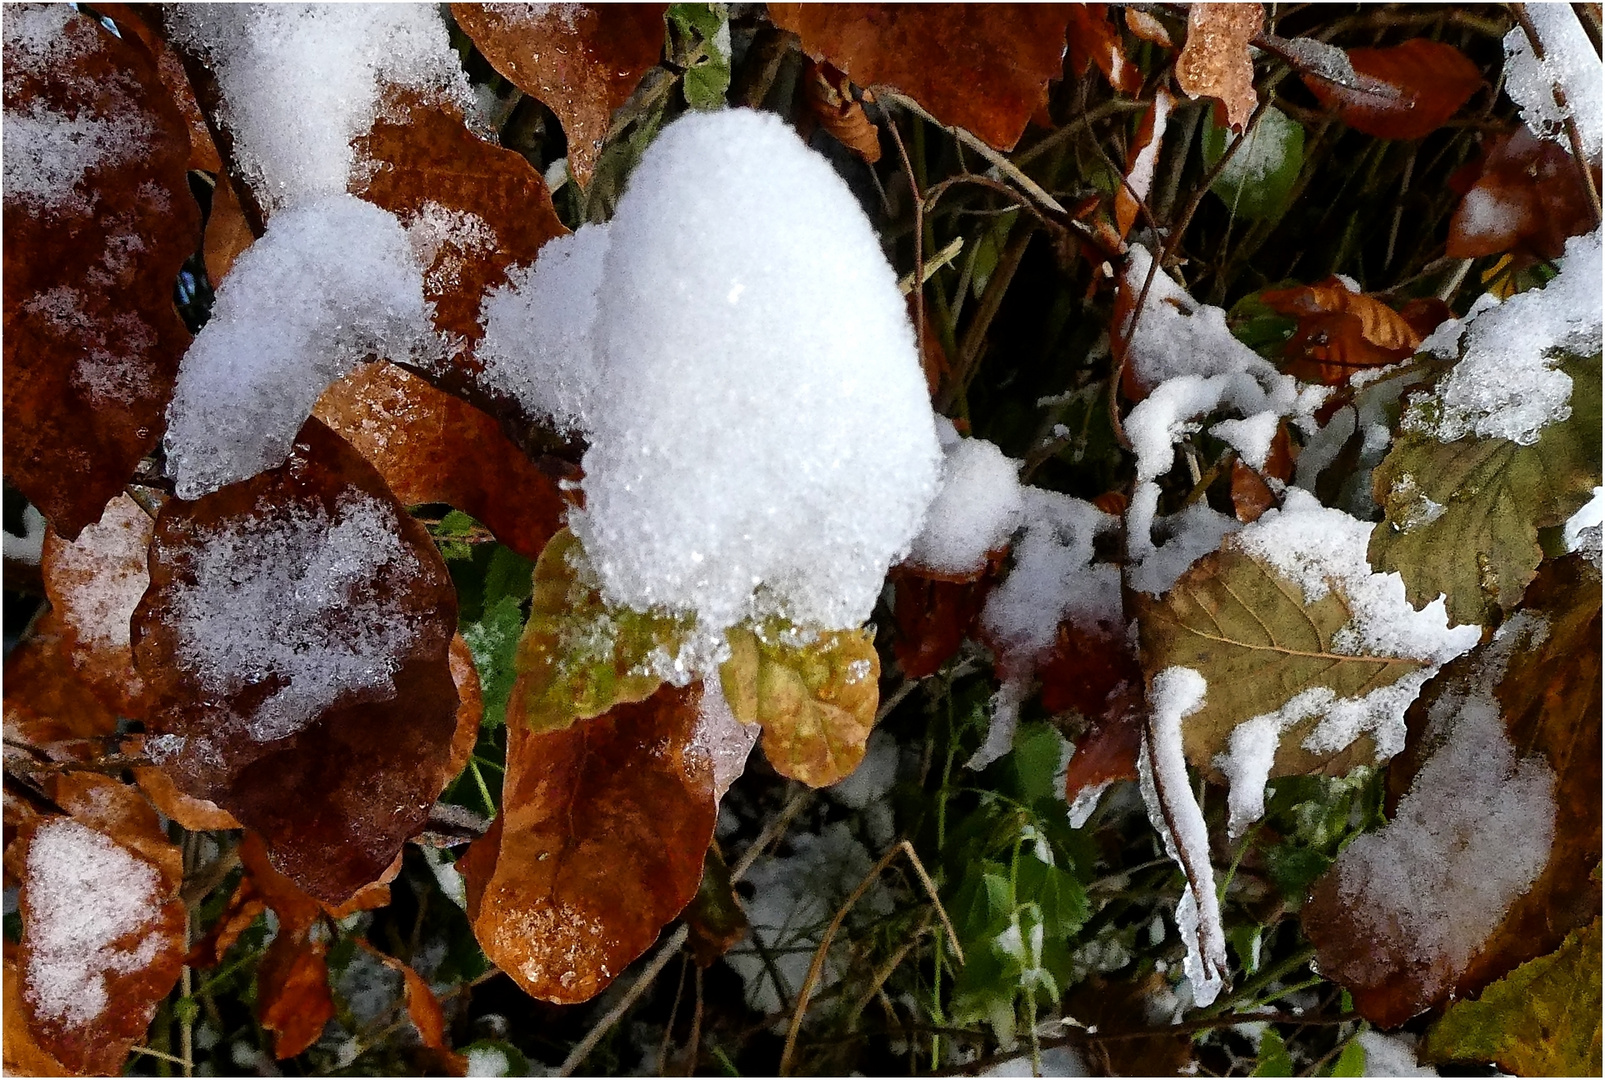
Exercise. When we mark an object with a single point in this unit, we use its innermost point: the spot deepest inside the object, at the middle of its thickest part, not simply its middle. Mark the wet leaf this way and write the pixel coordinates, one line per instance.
(1405, 91)
(432, 447)
(92, 339)
(582, 61)
(1462, 518)
(600, 843)
(1093, 39)
(578, 656)
(1089, 668)
(1522, 195)
(1340, 331)
(1215, 61)
(829, 96)
(816, 702)
(296, 635)
(1543, 1019)
(983, 69)
(228, 233)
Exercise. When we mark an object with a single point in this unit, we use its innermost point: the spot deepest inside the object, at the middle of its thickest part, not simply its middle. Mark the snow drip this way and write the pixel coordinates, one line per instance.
(761, 438)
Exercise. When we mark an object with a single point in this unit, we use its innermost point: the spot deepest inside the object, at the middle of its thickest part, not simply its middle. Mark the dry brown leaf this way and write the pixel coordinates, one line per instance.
(1251, 495)
(323, 717)
(228, 233)
(982, 68)
(829, 96)
(1141, 162)
(196, 815)
(135, 19)
(423, 1009)
(599, 844)
(432, 447)
(1522, 195)
(1093, 39)
(92, 340)
(470, 705)
(1340, 331)
(45, 701)
(1148, 28)
(1406, 91)
(244, 905)
(581, 60)
(292, 992)
(23, 1054)
(1215, 61)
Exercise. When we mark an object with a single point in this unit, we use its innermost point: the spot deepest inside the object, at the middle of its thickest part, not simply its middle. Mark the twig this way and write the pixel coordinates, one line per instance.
(143, 501)
(991, 300)
(919, 235)
(157, 1054)
(771, 833)
(930, 890)
(694, 1043)
(659, 960)
(1573, 136)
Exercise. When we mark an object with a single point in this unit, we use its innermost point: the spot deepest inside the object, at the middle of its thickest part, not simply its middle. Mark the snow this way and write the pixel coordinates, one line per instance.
(764, 443)
(1571, 61)
(105, 574)
(538, 329)
(1504, 386)
(300, 81)
(487, 1061)
(1140, 181)
(873, 779)
(331, 284)
(27, 546)
(1189, 534)
(1251, 437)
(1471, 836)
(84, 893)
(975, 510)
(1391, 1055)
(284, 597)
(1175, 694)
(1167, 414)
(726, 740)
(1176, 335)
(1582, 529)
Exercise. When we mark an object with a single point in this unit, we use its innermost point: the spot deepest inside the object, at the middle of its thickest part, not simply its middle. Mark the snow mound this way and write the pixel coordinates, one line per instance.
(762, 442)
(976, 509)
(1176, 335)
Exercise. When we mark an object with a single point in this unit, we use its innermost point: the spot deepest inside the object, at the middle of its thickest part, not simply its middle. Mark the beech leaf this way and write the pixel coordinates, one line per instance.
(933, 616)
(1405, 91)
(1340, 331)
(1215, 60)
(1523, 195)
(1093, 39)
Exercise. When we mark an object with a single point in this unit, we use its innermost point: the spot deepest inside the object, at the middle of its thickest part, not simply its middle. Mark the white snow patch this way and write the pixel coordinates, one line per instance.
(1569, 61)
(1186, 536)
(1582, 530)
(29, 545)
(1176, 335)
(487, 1061)
(1391, 1055)
(975, 510)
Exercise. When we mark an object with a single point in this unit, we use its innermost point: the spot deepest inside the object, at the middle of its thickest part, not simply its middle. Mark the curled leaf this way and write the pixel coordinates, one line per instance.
(1340, 331)
(832, 106)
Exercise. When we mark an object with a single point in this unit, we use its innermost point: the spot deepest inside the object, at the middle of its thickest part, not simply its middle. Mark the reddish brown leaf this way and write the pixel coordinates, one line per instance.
(1251, 495)
(197, 815)
(1089, 669)
(227, 232)
(470, 705)
(600, 843)
(45, 701)
(134, 18)
(1117, 1008)
(1148, 28)
(831, 105)
(1406, 91)
(1108, 751)
(23, 1054)
(1141, 158)
(1093, 39)
(1523, 195)
(1340, 331)
(981, 68)
(1215, 61)
(92, 340)
(244, 905)
(1548, 697)
(292, 992)
(581, 60)
(423, 1008)
(296, 635)
(432, 447)
(934, 616)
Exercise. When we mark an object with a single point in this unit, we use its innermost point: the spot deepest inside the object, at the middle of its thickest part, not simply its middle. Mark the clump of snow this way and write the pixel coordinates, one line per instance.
(1582, 531)
(1175, 334)
(27, 546)
(975, 510)
(1251, 437)
(1168, 414)
(1185, 536)
(1571, 62)
(283, 598)
(1175, 694)
(873, 779)
(84, 893)
(1472, 834)
(763, 442)
(446, 242)
(1504, 386)
(1391, 1055)
(332, 283)
(538, 329)
(488, 1061)
(725, 739)
(300, 81)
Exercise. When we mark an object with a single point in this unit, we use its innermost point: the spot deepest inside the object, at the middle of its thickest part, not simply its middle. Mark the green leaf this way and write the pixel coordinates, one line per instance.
(578, 656)
(1542, 1019)
(1034, 763)
(1259, 326)
(700, 39)
(1463, 518)
(1274, 1060)
(1060, 897)
(448, 531)
(1258, 179)
(493, 640)
(989, 249)
(1351, 1062)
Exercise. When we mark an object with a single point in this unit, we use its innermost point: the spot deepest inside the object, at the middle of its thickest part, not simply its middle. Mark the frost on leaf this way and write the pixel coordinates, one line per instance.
(1215, 61)
(1311, 659)
(599, 844)
(1490, 856)
(432, 447)
(815, 699)
(1406, 91)
(295, 638)
(983, 69)
(581, 60)
(98, 220)
(1462, 518)
(102, 926)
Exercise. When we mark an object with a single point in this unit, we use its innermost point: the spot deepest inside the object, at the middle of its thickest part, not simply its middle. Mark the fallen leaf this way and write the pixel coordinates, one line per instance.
(1340, 331)
(1524, 195)
(933, 616)
(296, 635)
(599, 844)
(1142, 157)
(1251, 495)
(582, 61)
(1404, 91)
(985, 69)
(831, 105)
(816, 702)
(1462, 518)
(23, 1054)
(293, 1001)
(1093, 39)
(432, 447)
(1215, 61)
(92, 339)
(1543, 1019)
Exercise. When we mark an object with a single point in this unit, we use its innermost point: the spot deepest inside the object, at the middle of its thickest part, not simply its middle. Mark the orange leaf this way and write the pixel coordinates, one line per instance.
(45, 701)
(830, 102)
(1141, 158)
(1406, 91)
(985, 69)
(599, 844)
(244, 905)
(1251, 495)
(197, 815)
(228, 233)
(1093, 39)
(1215, 61)
(292, 992)
(295, 636)
(581, 60)
(433, 447)
(23, 1054)
(92, 340)
(1522, 195)
(470, 705)
(1148, 28)
(1340, 331)
(423, 1008)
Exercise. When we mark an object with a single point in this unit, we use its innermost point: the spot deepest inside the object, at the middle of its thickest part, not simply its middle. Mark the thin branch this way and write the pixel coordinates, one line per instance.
(583, 1048)
(919, 235)
(1573, 136)
(772, 832)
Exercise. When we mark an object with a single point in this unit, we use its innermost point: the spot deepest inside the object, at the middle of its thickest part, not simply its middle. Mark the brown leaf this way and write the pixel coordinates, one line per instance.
(196, 815)
(1405, 91)
(1108, 751)
(228, 233)
(423, 1008)
(829, 96)
(292, 992)
(1089, 669)
(94, 584)
(244, 905)
(1522, 195)
(1340, 331)
(1251, 495)
(1141, 159)
(92, 340)
(1116, 1008)
(582, 61)
(45, 701)
(1148, 28)
(134, 18)
(1215, 61)
(1093, 39)
(431, 447)
(296, 635)
(981, 68)
(1548, 698)
(599, 844)
(933, 616)
(23, 1054)
(470, 705)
